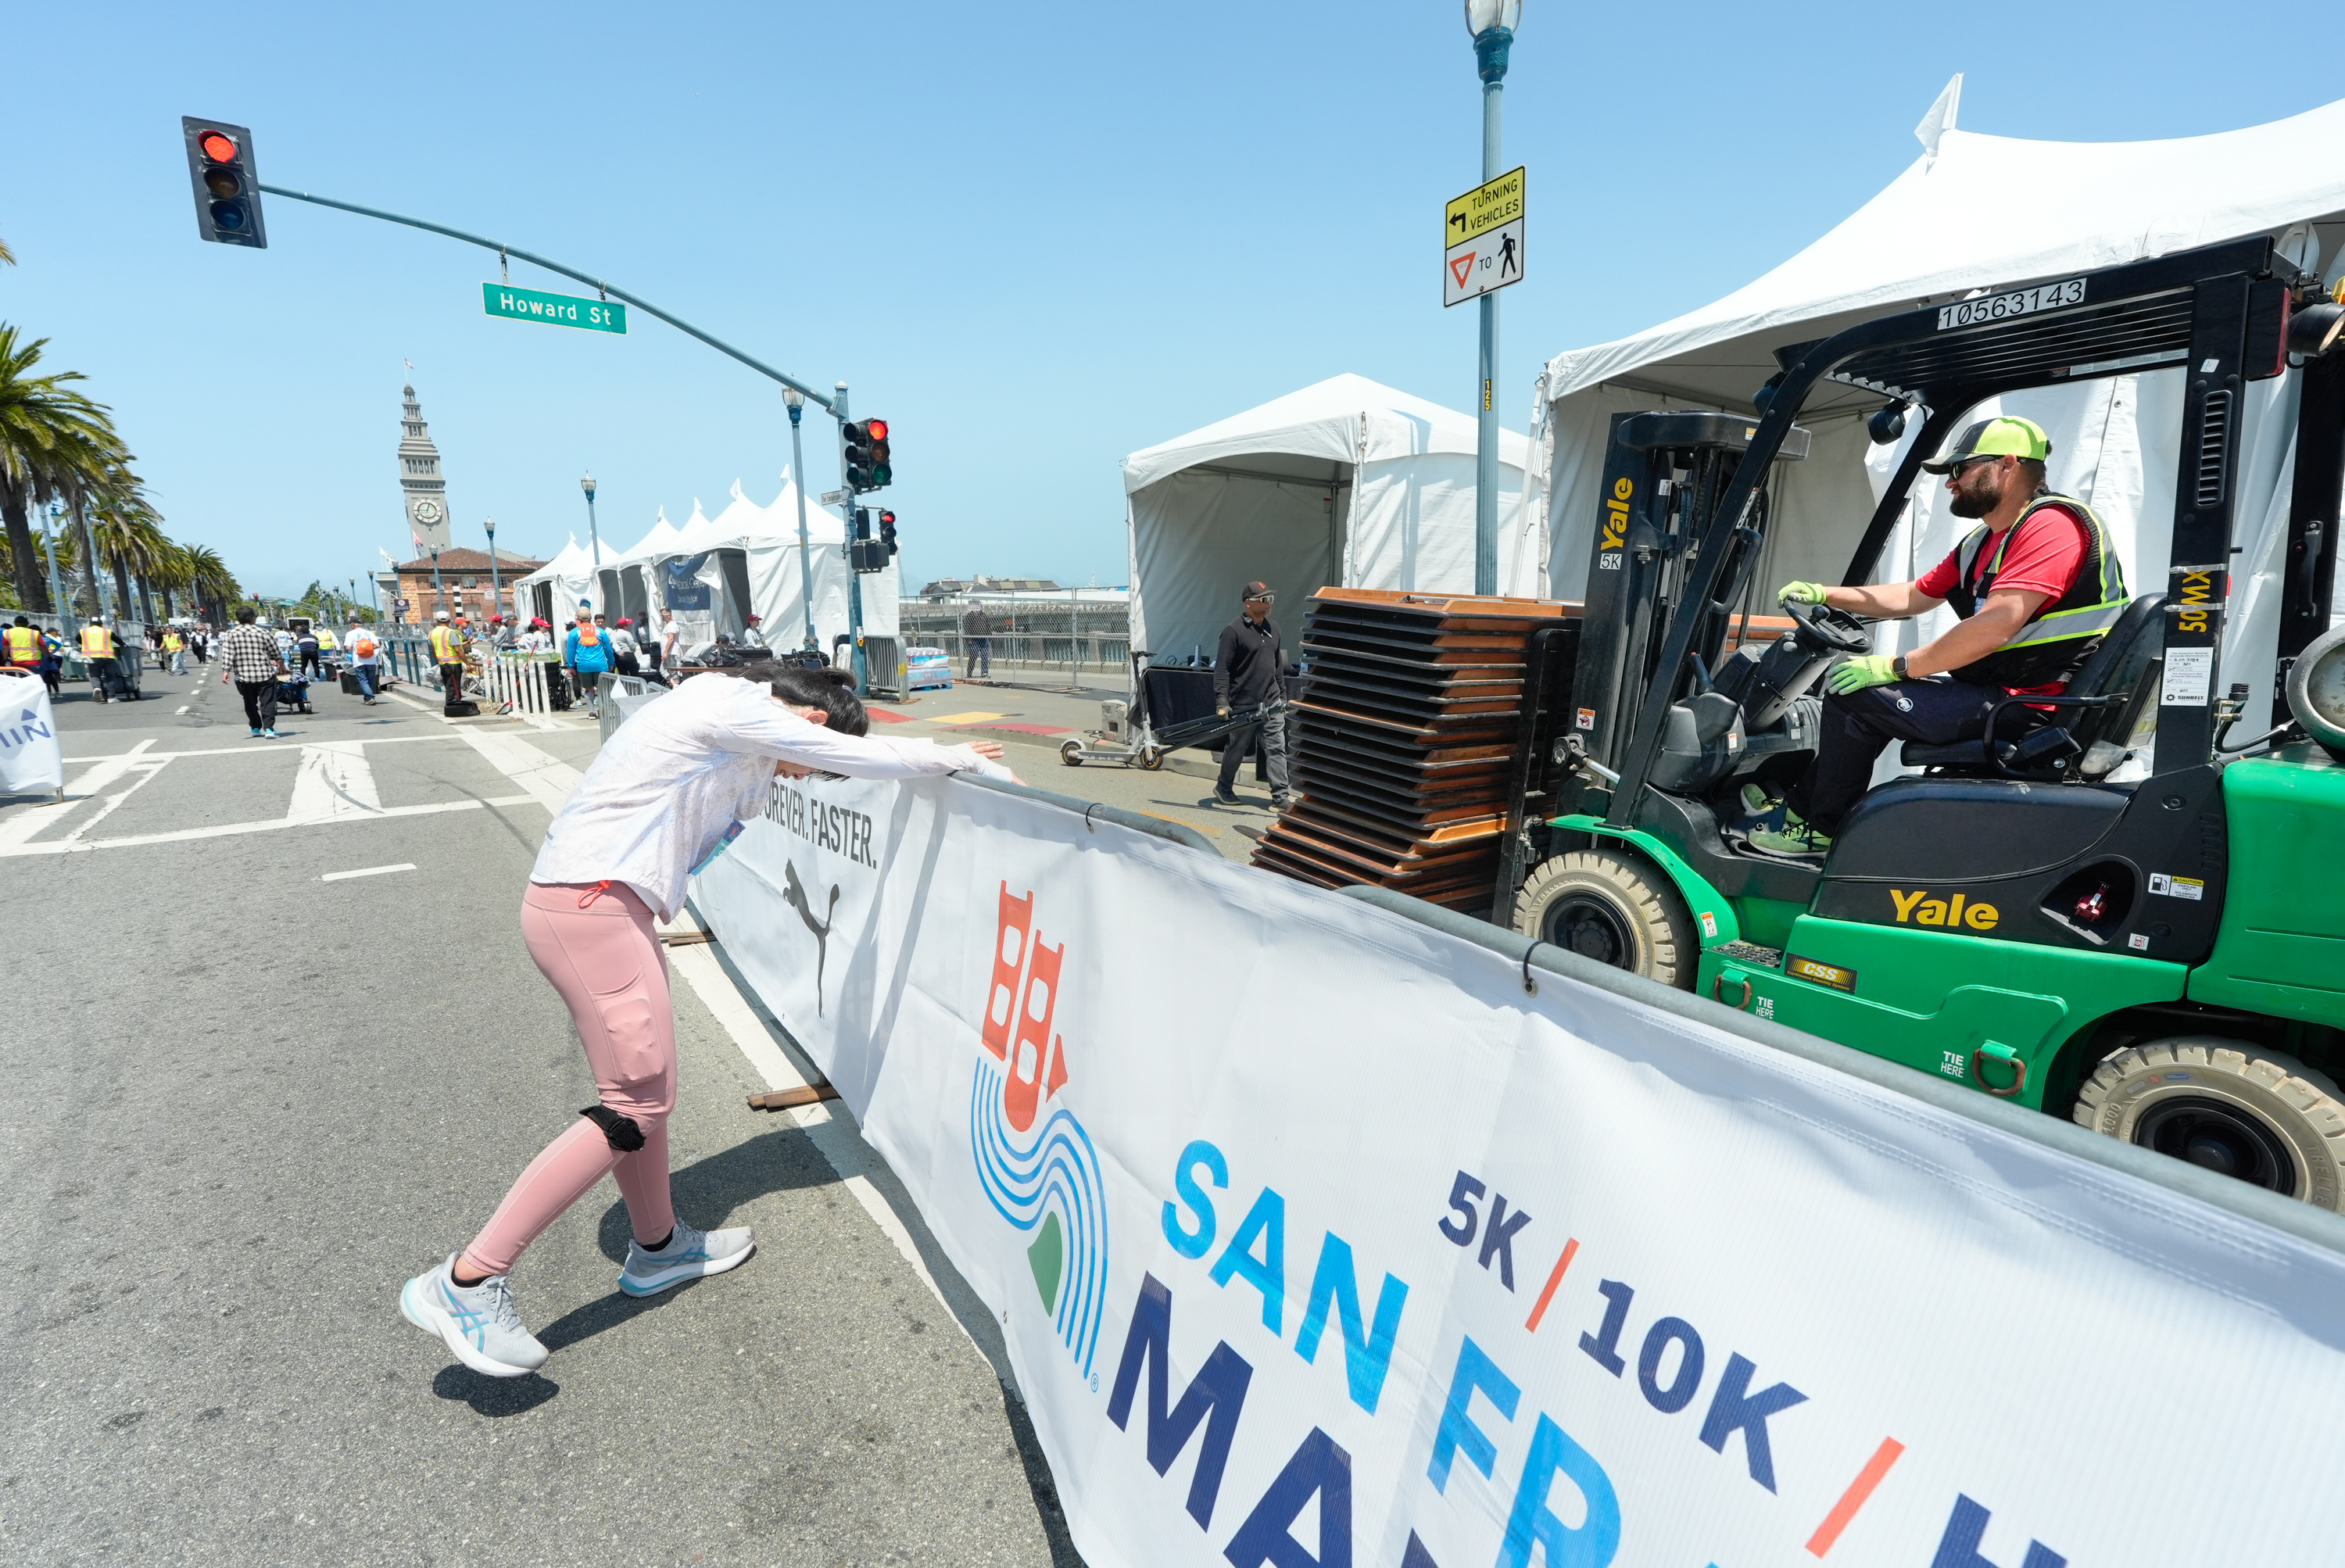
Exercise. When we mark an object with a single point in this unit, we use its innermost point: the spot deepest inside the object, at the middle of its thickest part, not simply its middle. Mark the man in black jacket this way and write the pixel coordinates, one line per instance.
(1248, 672)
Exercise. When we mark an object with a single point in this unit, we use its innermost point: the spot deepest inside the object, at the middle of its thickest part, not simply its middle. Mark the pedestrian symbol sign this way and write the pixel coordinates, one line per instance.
(1482, 240)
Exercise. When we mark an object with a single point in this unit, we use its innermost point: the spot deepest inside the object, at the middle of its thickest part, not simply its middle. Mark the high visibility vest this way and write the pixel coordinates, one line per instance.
(2063, 632)
(97, 641)
(171, 643)
(447, 648)
(24, 645)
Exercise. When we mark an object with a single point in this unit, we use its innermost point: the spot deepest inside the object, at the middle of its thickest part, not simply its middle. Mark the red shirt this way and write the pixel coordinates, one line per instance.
(2044, 557)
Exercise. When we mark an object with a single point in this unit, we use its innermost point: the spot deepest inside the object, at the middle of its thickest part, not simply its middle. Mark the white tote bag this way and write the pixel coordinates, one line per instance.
(31, 761)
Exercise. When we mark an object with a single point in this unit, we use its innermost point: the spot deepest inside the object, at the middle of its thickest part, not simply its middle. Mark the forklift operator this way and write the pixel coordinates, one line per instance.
(2035, 585)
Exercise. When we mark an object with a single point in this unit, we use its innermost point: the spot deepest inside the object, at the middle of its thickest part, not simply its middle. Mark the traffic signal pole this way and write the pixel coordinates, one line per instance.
(854, 579)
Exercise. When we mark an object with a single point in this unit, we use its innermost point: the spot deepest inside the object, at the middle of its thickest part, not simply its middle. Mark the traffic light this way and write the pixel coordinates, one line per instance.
(228, 192)
(865, 554)
(866, 456)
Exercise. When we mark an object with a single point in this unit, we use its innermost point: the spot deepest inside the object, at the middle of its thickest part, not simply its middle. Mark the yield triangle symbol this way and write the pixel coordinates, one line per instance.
(1461, 267)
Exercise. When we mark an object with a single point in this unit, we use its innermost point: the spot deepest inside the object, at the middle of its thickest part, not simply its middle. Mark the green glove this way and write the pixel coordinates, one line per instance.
(1860, 672)
(1800, 594)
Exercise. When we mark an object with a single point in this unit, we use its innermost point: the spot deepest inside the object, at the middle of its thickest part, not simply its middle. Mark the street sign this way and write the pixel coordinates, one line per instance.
(558, 310)
(1482, 240)
(833, 498)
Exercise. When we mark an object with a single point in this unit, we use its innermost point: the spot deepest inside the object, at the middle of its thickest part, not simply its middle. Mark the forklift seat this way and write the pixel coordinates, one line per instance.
(2106, 697)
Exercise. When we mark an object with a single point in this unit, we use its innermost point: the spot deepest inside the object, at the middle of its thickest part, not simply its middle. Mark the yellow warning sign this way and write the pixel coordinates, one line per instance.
(1486, 207)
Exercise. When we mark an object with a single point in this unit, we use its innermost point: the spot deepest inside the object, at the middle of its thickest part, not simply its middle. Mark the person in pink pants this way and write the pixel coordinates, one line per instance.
(669, 792)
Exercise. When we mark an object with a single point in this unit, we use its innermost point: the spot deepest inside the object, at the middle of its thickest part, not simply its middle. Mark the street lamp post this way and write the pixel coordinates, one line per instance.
(1492, 24)
(57, 601)
(592, 538)
(439, 589)
(496, 584)
(795, 400)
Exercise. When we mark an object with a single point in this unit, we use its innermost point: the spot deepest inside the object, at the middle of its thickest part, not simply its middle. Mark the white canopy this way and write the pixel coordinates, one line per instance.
(651, 546)
(1344, 483)
(1974, 214)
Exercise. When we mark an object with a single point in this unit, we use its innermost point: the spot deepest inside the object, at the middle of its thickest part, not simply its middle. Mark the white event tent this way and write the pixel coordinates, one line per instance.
(746, 558)
(1972, 215)
(1345, 483)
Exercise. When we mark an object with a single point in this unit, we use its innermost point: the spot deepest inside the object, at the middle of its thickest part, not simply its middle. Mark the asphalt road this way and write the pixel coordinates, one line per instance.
(250, 1102)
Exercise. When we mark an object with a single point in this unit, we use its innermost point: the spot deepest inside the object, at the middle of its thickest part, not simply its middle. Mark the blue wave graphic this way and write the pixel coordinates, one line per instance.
(1058, 1166)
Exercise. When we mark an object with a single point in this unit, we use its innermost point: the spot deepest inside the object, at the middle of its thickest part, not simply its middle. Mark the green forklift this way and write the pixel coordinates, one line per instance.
(2114, 912)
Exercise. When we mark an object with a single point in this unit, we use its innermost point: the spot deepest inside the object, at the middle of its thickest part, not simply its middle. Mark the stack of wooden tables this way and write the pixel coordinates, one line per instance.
(1410, 719)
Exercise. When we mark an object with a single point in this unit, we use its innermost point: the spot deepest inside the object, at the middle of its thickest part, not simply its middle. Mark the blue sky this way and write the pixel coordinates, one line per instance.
(1033, 238)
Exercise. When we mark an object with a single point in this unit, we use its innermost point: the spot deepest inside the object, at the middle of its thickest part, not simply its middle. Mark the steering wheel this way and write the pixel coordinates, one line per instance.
(1823, 629)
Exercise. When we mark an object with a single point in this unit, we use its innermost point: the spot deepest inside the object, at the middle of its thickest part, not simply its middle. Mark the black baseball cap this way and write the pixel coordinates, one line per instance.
(1257, 591)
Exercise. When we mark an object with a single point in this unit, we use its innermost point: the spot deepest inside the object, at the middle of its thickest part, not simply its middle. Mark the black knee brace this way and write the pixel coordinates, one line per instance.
(620, 1133)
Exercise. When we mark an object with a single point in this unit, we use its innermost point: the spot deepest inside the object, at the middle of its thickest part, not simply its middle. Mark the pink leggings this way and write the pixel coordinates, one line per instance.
(596, 944)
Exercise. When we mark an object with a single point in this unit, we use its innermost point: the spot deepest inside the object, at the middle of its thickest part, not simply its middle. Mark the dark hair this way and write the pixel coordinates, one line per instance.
(244, 613)
(23, 622)
(831, 690)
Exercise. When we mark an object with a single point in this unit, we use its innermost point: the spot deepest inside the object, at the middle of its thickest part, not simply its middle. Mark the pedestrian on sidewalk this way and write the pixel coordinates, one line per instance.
(586, 655)
(977, 640)
(364, 652)
(1249, 671)
(669, 634)
(667, 793)
(248, 658)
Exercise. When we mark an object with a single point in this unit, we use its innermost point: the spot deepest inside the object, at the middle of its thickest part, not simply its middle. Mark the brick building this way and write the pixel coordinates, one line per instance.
(465, 574)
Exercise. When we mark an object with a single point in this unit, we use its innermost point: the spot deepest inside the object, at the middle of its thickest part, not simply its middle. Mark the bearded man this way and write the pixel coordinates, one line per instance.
(2035, 586)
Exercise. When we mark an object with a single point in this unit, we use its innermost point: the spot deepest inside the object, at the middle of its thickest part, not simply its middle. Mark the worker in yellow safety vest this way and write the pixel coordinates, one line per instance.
(20, 646)
(98, 654)
(175, 651)
(447, 653)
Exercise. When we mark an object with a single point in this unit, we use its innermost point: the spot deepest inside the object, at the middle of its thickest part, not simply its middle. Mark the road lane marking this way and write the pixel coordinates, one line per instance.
(227, 829)
(367, 871)
(248, 750)
(548, 777)
(145, 775)
(335, 782)
(181, 708)
(18, 830)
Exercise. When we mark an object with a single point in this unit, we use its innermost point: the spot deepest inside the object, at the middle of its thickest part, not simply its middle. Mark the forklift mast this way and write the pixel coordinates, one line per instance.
(1664, 477)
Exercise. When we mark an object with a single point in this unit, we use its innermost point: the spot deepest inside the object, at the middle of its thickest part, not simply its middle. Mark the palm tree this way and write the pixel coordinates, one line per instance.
(209, 581)
(47, 432)
(128, 533)
(172, 573)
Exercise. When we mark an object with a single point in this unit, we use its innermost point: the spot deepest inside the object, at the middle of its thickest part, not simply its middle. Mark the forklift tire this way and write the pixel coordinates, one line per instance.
(2229, 1106)
(1613, 908)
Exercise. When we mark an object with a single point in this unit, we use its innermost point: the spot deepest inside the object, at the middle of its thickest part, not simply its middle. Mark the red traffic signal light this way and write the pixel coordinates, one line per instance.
(866, 454)
(228, 192)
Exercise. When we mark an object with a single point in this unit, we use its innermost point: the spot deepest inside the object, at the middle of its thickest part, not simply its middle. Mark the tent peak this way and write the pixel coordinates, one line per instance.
(1941, 118)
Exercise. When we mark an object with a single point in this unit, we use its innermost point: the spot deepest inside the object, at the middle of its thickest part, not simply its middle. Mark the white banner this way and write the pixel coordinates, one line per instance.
(32, 762)
(1315, 1239)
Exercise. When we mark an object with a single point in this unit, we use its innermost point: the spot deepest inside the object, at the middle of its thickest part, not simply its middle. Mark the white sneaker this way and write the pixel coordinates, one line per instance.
(477, 1322)
(688, 1255)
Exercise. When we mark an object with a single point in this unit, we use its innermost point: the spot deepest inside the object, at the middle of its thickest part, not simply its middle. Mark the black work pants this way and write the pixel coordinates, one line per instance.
(1859, 725)
(259, 702)
(1271, 730)
(452, 685)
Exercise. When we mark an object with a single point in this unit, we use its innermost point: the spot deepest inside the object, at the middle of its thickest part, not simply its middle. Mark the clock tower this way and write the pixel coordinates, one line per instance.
(421, 488)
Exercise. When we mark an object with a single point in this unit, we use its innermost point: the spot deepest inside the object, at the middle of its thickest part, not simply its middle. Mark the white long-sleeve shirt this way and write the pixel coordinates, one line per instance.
(684, 768)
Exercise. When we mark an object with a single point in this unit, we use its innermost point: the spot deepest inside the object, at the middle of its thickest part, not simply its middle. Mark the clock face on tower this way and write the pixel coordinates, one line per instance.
(426, 512)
